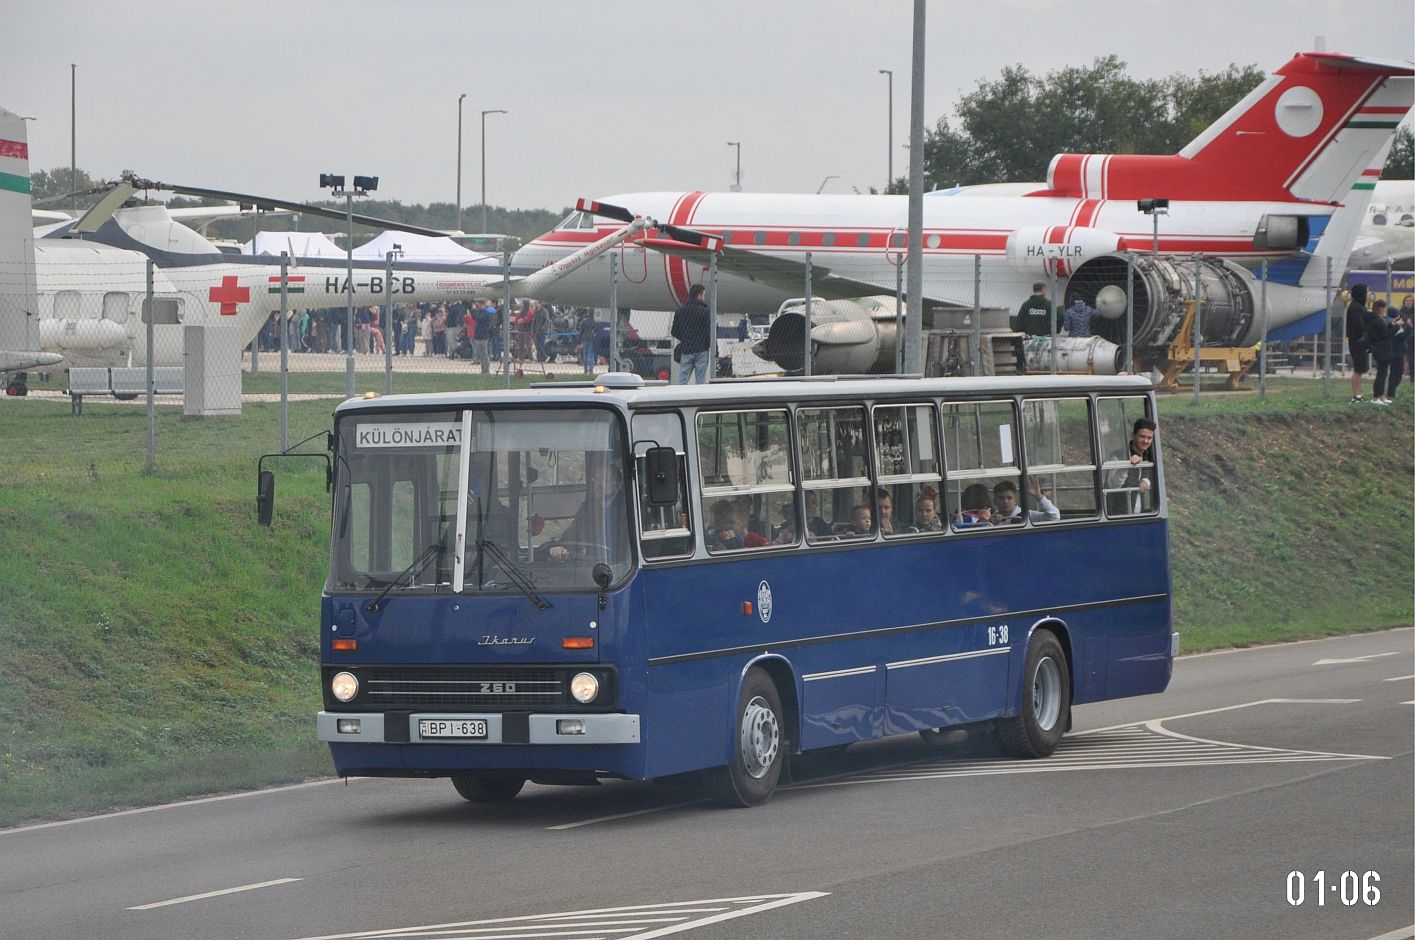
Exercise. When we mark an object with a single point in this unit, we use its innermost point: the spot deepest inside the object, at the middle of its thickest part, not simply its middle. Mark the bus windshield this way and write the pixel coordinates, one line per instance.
(537, 497)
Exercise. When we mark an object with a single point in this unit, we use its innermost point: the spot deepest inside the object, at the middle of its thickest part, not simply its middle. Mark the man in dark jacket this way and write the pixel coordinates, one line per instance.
(1034, 316)
(1378, 337)
(691, 329)
(1356, 343)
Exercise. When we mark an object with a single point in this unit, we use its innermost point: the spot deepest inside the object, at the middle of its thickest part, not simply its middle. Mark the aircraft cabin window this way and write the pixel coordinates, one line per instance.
(572, 221)
(828, 239)
(794, 238)
(759, 238)
(863, 240)
(115, 306)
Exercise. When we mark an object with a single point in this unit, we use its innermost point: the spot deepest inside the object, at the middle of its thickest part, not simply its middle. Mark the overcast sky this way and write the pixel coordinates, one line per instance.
(604, 97)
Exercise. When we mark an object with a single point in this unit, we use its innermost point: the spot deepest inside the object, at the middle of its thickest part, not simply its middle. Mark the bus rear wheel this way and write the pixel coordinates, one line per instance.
(1046, 701)
(758, 746)
(478, 789)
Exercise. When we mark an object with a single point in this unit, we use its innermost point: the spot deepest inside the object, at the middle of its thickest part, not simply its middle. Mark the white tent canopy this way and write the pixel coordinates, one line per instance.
(426, 248)
(298, 244)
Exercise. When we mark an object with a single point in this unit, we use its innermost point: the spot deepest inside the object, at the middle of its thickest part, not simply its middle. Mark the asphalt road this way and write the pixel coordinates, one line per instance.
(1178, 815)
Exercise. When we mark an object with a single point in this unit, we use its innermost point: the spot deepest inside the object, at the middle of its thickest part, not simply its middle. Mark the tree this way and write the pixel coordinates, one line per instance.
(55, 183)
(1009, 128)
(1400, 165)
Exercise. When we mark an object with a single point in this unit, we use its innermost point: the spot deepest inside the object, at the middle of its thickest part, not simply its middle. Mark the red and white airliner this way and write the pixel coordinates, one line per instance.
(1284, 175)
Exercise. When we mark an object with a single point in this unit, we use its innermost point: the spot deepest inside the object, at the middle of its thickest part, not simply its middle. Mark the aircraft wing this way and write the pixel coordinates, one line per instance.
(781, 273)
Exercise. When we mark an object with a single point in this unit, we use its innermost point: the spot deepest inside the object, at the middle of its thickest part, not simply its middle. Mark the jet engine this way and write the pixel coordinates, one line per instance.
(1163, 289)
(848, 337)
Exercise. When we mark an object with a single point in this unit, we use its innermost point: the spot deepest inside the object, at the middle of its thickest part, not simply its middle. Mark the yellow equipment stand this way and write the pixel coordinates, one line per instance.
(1232, 361)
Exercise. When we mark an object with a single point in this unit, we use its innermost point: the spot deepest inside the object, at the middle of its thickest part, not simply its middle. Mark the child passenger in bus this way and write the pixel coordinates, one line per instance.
(861, 520)
(729, 531)
(1007, 508)
(926, 515)
(976, 508)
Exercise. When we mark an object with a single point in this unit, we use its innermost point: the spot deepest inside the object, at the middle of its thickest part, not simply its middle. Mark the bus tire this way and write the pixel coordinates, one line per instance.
(475, 788)
(758, 746)
(1046, 701)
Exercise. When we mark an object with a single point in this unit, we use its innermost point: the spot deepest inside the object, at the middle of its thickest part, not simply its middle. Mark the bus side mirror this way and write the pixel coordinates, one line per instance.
(661, 465)
(265, 496)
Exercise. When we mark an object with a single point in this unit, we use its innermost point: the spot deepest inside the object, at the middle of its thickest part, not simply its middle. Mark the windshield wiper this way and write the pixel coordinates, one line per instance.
(428, 554)
(513, 571)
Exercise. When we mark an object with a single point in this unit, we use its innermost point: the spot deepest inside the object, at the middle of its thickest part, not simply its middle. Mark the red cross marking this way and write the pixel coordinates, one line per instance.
(228, 295)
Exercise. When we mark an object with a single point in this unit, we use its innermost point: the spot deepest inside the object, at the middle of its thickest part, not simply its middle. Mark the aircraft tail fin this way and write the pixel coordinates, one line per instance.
(19, 305)
(1306, 133)
(1338, 238)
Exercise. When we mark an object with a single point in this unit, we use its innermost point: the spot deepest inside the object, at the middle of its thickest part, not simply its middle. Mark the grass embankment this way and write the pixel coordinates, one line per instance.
(155, 643)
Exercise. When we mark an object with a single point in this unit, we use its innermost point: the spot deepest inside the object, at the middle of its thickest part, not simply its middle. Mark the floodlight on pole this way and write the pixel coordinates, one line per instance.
(1154, 208)
(483, 162)
(363, 185)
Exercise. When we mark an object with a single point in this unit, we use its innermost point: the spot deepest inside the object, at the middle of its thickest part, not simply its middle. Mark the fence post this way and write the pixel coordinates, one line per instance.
(506, 319)
(285, 352)
(387, 322)
(1326, 357)
(977, 314)
(1198, 329)
(1263, 337)
(712, 315)
(898, 319)
(1129, 311)
(1055, 303)
(151, 375)
(613, 364)
(806, 331)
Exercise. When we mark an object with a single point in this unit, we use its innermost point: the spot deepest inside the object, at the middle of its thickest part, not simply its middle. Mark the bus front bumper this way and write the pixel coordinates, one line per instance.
(474, 729)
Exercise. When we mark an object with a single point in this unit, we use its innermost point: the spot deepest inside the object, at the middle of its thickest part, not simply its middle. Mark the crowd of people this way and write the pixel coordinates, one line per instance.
(1381, 335)
(463, 329)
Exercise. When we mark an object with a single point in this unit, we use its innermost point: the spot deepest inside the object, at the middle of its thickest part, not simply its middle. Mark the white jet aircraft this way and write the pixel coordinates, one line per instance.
(1267, 181)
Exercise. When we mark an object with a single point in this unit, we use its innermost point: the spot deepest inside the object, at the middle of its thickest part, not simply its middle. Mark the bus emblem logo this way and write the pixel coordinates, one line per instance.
(764, 601)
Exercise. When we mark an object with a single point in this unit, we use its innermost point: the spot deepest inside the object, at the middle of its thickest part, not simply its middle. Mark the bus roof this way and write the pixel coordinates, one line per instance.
(629, 391)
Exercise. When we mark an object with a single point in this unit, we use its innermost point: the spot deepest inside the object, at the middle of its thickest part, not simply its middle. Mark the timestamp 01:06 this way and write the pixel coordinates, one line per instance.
(1349, 887)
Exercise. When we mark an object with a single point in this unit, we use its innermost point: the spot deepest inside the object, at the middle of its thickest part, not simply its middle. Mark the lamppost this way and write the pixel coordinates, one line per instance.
(1154, 208)
(737, 186)
(363, 185)
(483, 163)
(460, 99)
(889, 74)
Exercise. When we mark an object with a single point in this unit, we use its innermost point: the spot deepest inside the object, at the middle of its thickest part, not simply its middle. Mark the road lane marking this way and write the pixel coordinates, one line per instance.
(152, 809)
(1399, 678)
(1144, 745)
(1227, 708)
(1354, 659)
(213, 894)
(657, 920)
(637, 812)
(1400, 933)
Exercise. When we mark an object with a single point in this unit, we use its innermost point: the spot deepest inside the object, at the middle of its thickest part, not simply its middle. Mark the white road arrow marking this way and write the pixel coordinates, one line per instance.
(1354, 659)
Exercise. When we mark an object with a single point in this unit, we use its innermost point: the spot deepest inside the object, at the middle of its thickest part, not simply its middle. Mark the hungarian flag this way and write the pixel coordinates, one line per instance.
(296, 282)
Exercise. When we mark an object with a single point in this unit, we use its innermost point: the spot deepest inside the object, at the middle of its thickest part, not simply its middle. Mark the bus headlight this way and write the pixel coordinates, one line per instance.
(344, 686)
(584, 687)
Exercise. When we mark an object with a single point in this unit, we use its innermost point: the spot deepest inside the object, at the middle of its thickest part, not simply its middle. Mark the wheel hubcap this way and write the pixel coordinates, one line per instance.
(1046, 693)
(761, 737)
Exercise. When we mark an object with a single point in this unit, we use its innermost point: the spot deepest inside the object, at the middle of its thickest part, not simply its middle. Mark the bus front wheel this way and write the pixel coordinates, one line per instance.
(1046, 701)
(758, 746)
(478, 789)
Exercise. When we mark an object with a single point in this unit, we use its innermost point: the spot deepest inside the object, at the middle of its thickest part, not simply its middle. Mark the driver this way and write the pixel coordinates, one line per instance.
(600, 520)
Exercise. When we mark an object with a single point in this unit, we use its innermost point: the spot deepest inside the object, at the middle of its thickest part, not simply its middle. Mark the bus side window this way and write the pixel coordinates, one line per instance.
(980, 453)
(1128, 489)
(1057, 435)
(906, 462)
(835, 472)
(748, 493)
(664, 531)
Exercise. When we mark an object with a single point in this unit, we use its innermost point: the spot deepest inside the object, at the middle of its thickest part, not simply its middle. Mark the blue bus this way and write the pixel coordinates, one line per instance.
(627, 579)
